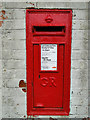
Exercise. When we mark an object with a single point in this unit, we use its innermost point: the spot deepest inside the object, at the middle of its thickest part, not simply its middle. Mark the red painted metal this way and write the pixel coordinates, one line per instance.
(48, 92)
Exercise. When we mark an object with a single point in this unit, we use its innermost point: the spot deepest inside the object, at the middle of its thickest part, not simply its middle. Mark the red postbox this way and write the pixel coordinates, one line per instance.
(48, 58)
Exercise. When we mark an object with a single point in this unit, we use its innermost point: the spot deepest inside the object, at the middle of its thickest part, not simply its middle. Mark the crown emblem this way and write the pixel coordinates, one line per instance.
(48, 19)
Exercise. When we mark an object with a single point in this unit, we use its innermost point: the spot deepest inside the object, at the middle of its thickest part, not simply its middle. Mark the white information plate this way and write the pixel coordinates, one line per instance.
(48, 56)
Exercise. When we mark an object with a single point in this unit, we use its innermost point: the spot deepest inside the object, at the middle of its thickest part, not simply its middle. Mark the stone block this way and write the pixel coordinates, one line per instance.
(14, 64)
(79, 64)
(13, 35)
(79, 35)
(80, 24)
(80, 14)
(79, 44)
(72, 5)
(79, 55)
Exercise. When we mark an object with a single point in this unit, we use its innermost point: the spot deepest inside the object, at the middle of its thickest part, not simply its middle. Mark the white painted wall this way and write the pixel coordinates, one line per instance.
(14, 58)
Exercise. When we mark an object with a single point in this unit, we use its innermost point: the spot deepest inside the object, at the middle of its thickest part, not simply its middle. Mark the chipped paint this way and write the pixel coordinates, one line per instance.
(86, 118)
(52, 118)
(2, 17)
(1, 23)
(23, 85)
(24, 90)
(30, 3)
(3, 12)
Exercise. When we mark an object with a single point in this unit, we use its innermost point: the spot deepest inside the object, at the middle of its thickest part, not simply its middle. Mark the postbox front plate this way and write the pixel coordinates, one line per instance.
(48, 50)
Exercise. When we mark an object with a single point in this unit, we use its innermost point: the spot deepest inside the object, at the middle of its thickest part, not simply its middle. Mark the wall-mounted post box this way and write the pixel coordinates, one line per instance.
(48, 54)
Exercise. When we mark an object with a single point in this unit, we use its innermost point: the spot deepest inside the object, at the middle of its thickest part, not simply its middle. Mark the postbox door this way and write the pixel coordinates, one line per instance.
(48, 76)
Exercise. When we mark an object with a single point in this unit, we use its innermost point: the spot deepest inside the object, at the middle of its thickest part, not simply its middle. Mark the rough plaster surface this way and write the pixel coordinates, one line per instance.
(13, 58)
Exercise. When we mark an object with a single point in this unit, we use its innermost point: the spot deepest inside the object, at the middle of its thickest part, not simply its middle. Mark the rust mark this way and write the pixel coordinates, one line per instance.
(31, 3)
(86, 118)
(30, 7)
(2, 17)
(3, 12)
(32, 117)
(23, 85)
(4, 70)
(1, 23)
(24, 90)
(52, 118)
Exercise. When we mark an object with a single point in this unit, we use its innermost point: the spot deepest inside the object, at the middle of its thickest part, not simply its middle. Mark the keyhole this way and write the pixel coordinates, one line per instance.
(39, 76)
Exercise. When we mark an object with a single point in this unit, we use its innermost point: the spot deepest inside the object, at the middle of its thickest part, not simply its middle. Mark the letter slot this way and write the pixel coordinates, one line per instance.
(49, 30)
